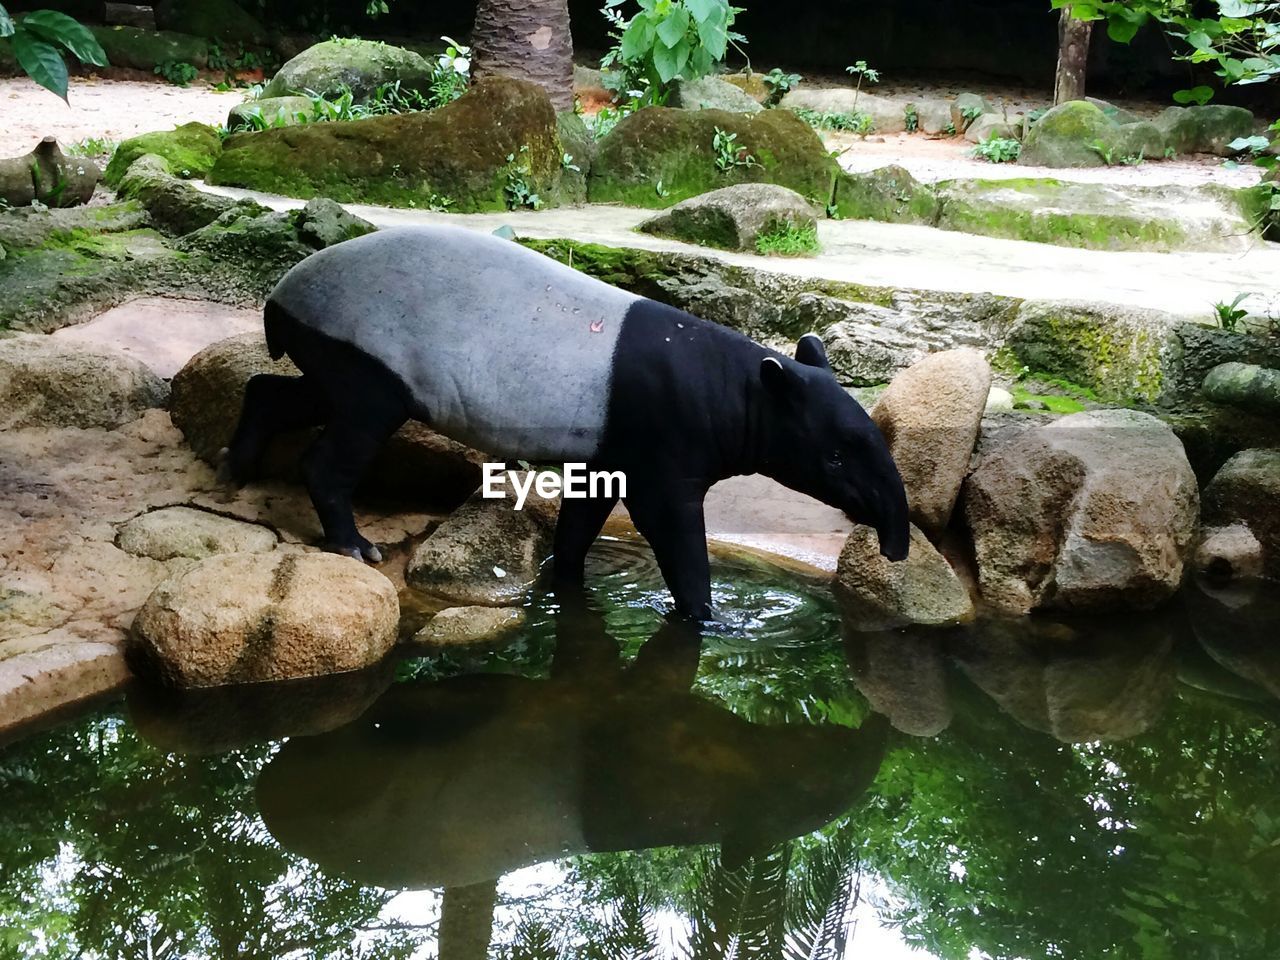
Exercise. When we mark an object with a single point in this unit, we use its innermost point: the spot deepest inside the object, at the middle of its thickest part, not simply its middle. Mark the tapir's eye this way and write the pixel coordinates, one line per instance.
(835, 458)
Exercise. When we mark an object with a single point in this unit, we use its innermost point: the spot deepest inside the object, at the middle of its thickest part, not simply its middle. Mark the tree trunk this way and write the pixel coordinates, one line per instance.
(1073, 57)
(528, 39)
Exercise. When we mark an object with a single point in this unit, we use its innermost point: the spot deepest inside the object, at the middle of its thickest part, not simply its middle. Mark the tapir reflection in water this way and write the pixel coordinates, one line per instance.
(459, 782)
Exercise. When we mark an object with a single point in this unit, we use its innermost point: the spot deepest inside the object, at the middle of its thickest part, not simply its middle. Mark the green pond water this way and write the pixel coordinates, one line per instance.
(612, 785)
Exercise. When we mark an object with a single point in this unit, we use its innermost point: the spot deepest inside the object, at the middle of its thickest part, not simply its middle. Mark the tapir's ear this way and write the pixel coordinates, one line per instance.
(811, 352)
(775, 377)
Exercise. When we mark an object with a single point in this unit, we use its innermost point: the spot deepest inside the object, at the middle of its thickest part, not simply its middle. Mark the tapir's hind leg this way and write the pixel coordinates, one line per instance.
(273, 405)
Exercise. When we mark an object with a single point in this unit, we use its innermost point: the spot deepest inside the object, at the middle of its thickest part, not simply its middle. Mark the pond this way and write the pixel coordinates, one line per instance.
(612, 785)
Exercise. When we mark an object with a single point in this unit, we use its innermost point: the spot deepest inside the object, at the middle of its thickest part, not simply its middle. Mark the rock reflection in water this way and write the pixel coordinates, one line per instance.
(458, 782)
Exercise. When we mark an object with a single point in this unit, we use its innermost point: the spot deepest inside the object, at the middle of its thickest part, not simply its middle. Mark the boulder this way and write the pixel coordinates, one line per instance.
(933, 116)
(190, 151)
(579, 147)
(887, 116)
(460, 627)
(994, 126)
(468, 151)
(274, 111)
(486, 553)
(1247, 491)
(1114, 113)
(55, 383)
(966, 108)
(1204, 129)
(1078, 134)
(930, 415)
(752, 84)
(1245, 385)
(734, 218)
(1229, 553)
(889, 193)
(176, 206)
(48, 176)
(148, 49)
(208, 394)
(876, 594)
(222, 20)
(173, 532)
(658, 156)
(246, 618)
(712, 93)
(1096, 511)
(358, 65)
(904, 677)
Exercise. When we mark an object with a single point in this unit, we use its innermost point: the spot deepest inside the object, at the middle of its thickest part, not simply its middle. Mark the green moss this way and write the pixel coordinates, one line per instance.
(658, 156)
(889, 194)
(458, 151)
(787, 239)
(147, 49)
(189, 150)
(1054, 403)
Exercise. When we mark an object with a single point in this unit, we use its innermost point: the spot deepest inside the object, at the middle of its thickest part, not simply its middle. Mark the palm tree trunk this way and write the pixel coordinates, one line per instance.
(529, 39)
(1073, 57)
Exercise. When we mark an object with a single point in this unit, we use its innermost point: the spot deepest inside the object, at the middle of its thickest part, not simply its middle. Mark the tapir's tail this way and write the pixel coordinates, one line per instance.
(277, 323)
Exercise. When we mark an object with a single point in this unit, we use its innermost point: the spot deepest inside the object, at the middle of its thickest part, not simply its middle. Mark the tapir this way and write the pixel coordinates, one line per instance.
(519, 356)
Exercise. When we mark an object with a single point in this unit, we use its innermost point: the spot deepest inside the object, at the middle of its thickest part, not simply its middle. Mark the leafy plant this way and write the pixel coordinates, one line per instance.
(1230, 314)
(787, 239)
(1134, 159)
(998, 150)
(1103, 150)
(91, 147)
(518, 191)
(38, 39)
(178, 72)
(606, 119)
(668, 40)
(970, 114)
(1253, 146)
(1036, 114)
(862, 72)
(779, 83)
(729, 153)
(452, 73)
(949, 129)
(859, 123)
(566, 163)
(911, 116)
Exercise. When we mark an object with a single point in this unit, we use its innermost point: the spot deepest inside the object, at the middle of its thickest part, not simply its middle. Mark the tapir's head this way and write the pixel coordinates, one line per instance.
(819, 441)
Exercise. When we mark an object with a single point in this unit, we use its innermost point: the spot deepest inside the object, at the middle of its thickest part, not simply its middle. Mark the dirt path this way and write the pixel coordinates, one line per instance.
(106, 109)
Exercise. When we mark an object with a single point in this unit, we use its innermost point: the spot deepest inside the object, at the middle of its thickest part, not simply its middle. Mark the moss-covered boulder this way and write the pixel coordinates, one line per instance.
(46, 174)
(889, 194)
(659, 156)
(222, 20)
(1079, 134)
(147, 49)
(190, 151)
(735, 218)
(579, 151)
(273, 111)
(1204, 129)
(175, 206)
(1245, 385)
(500, 134)
(360, 65)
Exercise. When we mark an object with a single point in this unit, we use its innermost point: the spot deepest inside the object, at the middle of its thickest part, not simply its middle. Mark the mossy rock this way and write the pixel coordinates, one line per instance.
(458, 151)
(1204, 129)
(147, 49)
(579, 147)
(889, 194)
(222, 20)
(1079, 134)
(659, 156)
(735, 218)
(359, 65)
(276, 111)
(752, 84)
(175, 206)
(190, 151)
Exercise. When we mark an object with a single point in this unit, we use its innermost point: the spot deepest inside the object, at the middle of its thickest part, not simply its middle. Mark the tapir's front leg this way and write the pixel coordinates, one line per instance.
(671, 520)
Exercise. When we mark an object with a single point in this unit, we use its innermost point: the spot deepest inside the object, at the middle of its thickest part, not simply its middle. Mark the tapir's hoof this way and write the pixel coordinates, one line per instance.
(229, 473)
(364, 551)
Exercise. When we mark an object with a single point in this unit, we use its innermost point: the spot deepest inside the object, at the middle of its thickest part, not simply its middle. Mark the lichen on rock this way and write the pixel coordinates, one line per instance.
(360, 66)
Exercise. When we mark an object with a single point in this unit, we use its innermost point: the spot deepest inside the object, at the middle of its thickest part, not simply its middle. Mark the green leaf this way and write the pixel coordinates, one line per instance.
(41, 61)
(1199, 95)
(638, 38)
(1200, 40)
(674, 27)
(664, 59)
(704, 9)
(714, 36)
(6, 23)
(59, 28)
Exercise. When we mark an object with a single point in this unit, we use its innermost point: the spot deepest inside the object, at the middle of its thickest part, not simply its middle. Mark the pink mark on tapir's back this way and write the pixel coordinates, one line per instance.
(597, 326)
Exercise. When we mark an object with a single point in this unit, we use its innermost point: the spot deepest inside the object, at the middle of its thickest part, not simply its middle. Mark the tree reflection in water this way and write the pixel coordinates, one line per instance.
(1068, 793)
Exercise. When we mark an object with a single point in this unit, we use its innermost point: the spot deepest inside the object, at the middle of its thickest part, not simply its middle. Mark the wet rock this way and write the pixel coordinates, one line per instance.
(712, 93)
(933, 115)
(208, 394)
(930, 415)
(48, 176)
(1078, 134)
(456, 627)
(457, 152)
(734, 218)
(903, 676)
(1228, 553)
(659, 156)
(146, 49)
(244, 618)
(1245, 385)
(1204, 129)
(887, 116)
(1236, 625)
(876, 594)
(273, 111)
(190, 151)
(173, 532)
(53, 383)
(1096, 511)
(1247, 491)
(486, 553)
(359, 65)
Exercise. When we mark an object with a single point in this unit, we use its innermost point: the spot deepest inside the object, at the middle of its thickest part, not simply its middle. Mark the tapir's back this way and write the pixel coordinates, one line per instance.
(501, 347)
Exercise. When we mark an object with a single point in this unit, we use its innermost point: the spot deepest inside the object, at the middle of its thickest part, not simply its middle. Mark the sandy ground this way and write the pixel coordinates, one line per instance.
(107, 109)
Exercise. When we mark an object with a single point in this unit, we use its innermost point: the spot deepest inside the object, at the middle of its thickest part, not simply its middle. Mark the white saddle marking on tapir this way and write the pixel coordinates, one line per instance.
(501, 347)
